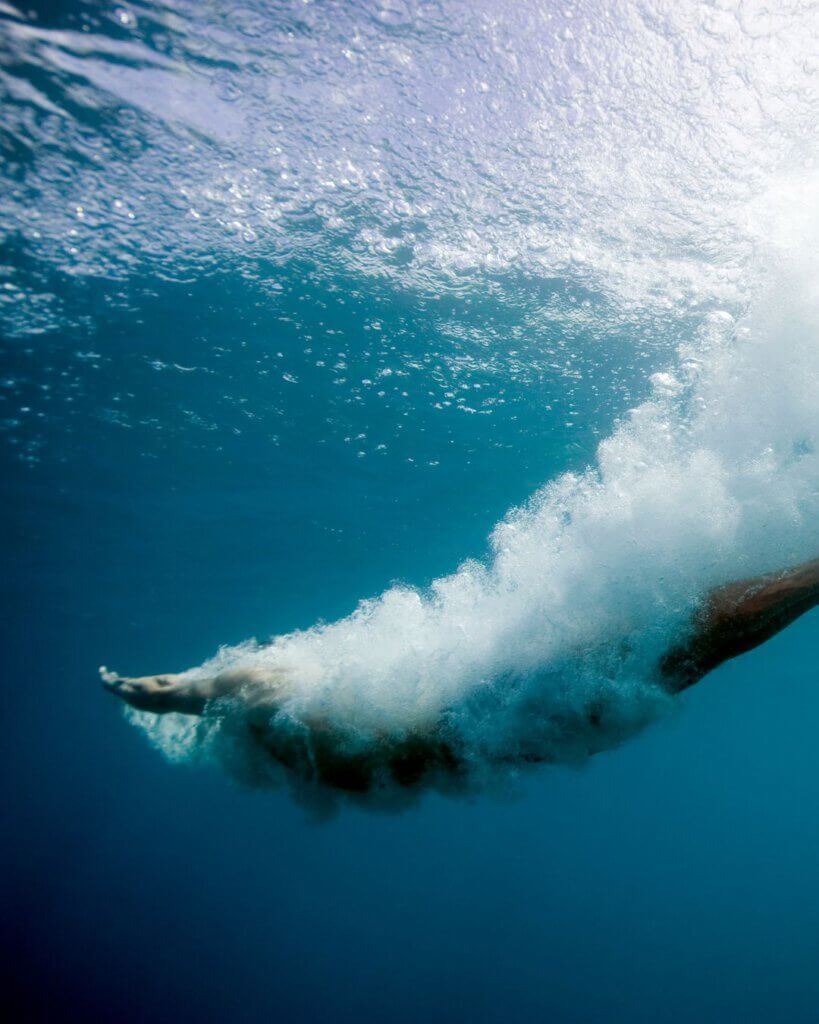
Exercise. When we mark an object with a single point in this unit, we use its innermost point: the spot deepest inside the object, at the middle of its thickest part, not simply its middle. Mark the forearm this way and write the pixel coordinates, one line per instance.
(739, 617)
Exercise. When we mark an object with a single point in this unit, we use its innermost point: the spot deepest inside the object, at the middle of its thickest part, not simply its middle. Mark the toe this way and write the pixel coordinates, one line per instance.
(112, 685)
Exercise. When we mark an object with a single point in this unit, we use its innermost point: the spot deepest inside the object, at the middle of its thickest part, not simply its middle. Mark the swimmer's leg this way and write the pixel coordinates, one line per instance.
(738, 617)
(169, 692)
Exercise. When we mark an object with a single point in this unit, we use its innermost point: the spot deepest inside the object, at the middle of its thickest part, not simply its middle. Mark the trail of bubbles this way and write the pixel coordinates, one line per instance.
(634, 151)
(715, 477)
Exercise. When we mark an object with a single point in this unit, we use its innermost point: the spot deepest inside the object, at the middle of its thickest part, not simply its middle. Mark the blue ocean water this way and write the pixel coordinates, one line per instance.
(346, 283)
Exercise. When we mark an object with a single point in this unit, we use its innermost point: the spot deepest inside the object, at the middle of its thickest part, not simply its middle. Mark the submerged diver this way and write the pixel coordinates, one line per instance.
(732, 620)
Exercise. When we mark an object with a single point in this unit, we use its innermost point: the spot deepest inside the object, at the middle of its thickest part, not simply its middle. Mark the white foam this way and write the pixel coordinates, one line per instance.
(715, 477)
(659, 154)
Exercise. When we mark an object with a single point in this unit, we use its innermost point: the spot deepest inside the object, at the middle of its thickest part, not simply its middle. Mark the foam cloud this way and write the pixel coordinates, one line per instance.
(714, 477)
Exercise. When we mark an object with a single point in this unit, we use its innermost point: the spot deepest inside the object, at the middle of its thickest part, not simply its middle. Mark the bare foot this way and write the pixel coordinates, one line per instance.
(158, 694)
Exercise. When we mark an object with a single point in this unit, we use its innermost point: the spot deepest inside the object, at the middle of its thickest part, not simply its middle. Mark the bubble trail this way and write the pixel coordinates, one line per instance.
(639, 169)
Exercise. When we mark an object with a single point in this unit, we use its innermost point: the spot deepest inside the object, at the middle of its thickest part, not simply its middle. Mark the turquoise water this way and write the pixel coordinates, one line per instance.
(299, 301)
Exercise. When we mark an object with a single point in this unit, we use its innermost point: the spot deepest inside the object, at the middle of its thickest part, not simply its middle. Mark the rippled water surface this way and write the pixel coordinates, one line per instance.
(297, 301)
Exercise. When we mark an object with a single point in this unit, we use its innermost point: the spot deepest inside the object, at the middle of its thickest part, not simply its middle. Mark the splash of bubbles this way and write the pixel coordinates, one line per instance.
(714, 477)
(654, 158)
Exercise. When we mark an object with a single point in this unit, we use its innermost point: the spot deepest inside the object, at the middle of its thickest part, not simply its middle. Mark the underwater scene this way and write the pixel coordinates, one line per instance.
(403, 403)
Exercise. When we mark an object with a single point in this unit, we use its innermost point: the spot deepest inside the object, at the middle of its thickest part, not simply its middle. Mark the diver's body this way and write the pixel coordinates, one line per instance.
(732, 620)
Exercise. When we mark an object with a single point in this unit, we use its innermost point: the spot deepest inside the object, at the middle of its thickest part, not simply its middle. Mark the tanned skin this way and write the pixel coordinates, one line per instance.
(738, 617)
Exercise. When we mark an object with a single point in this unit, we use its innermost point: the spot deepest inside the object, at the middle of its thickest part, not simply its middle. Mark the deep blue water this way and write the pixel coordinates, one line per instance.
(674, 876)
(148, 518)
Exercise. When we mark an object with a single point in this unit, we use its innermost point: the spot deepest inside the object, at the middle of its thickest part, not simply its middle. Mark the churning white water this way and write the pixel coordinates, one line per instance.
(715, 477)
(666, 150)
(659, 155)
